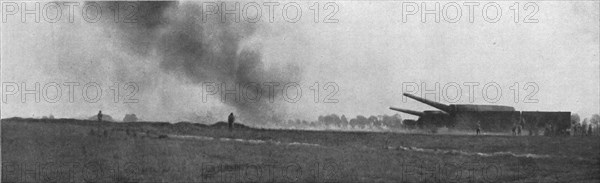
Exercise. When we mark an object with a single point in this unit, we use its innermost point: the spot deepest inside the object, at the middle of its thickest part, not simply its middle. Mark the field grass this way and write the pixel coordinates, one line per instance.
(66, 150)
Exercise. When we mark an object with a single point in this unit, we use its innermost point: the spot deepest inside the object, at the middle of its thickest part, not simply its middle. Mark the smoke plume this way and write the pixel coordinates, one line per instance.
(211, 51)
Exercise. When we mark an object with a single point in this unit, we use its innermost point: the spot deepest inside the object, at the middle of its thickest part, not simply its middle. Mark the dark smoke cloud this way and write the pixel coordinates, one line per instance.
(199, 51)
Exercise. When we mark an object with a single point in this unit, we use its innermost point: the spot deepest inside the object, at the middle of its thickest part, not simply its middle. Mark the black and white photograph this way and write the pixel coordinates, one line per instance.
(197, 91)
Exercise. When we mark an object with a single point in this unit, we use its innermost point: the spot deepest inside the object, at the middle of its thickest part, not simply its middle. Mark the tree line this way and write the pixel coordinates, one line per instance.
(334, 121)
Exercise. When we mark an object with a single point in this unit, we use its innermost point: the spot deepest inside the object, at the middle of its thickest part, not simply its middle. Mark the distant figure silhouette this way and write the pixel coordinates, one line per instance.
(100, 116)
(478, 127)
(231, 120)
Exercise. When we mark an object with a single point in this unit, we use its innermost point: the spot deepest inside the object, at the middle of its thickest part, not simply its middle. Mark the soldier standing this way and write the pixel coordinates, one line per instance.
(521, 126)
(478, 127)
(231, 120)
(100, 115)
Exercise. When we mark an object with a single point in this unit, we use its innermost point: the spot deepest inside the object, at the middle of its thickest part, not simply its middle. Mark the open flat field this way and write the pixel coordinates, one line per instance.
(66, 150)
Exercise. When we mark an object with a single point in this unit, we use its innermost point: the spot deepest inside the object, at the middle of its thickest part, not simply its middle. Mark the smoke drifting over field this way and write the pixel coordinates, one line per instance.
(210, 51)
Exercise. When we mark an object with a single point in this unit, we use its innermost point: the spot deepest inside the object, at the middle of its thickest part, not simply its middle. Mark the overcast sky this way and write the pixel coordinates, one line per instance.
(369, 54)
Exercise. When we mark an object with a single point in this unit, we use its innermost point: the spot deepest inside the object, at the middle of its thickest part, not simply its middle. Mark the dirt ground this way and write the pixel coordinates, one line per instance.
(66, 150)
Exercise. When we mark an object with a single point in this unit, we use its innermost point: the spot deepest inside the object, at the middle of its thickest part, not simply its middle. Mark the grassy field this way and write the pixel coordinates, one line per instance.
(66, 150)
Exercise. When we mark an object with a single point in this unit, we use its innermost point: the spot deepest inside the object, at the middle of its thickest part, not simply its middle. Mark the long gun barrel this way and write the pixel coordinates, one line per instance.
(440, 106)
(416, 113)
